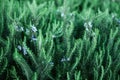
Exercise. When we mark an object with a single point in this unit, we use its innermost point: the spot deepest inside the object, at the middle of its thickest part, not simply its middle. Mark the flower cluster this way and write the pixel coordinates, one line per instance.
(33, 28)
(88, 25)
(23, 49)
(65, 59)
(33, 38)
(19, 29)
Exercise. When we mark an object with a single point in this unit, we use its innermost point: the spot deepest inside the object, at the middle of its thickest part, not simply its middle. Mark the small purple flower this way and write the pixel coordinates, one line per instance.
(19, 47)
(33, 38)
(34, 29)
(88, 25)
(24, 51)
(18, 28)
(65, 59)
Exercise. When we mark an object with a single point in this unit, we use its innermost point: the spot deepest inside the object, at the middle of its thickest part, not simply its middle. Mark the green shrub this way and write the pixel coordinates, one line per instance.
(59, 40)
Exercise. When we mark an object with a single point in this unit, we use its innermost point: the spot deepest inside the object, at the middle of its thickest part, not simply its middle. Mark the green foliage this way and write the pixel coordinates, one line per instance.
(59, 40)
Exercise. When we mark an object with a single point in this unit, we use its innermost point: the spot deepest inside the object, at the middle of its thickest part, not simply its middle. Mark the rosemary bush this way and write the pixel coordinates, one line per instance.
(59, 40)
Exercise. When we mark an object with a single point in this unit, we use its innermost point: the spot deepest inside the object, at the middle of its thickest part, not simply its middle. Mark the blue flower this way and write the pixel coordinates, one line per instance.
(19, 47)
(88, 25)
(24, 51)
(65, 59)
(34, 29)
(18, 28)
(33, 38)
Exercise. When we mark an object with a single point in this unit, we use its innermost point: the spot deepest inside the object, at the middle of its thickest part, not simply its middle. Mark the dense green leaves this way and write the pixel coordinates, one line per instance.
(59, 40)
